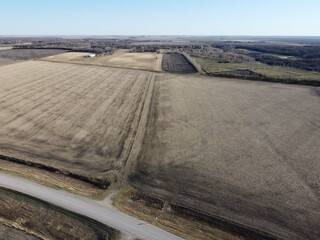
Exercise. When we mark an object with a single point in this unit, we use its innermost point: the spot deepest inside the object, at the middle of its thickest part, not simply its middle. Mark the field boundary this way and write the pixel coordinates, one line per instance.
(313, 83)
(137, 142)
(218, 221)
(100, 183)
(114, 233)
(192, 61)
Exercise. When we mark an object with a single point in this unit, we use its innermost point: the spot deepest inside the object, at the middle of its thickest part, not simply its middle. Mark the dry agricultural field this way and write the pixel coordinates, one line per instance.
(80, 119)
(9, 56)
(121, 58)
(5, 61)
(67, 57)
(243, 150)
(25, 54)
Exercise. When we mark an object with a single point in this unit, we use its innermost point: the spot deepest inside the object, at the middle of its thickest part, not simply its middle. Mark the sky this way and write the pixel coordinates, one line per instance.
(160, 17)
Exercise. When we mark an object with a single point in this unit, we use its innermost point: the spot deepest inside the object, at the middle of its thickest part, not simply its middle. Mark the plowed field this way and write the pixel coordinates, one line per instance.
(80, 119)
(246, 151)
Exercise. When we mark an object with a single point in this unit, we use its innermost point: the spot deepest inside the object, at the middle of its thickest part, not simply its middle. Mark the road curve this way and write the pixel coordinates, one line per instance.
(128, 225)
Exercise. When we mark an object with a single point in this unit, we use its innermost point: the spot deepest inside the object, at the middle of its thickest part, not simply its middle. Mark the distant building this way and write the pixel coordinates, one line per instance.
(89, 56)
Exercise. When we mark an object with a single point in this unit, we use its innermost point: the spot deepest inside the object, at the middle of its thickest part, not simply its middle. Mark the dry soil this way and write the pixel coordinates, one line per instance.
(245, 151)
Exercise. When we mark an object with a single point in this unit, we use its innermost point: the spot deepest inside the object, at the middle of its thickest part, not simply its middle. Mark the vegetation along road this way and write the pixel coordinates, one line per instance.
(131, 227)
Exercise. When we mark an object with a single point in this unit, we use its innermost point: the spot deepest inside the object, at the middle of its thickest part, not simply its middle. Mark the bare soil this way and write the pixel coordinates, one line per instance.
(178, 63)
(10, 56)
(245, 151)
(25, 54)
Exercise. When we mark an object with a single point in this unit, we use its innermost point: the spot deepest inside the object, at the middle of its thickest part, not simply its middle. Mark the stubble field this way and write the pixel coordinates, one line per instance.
(121, 58)
(78, 119)
(245, 151)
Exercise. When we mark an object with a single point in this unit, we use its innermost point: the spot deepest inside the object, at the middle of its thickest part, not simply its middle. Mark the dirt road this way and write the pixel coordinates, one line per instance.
(131, 227)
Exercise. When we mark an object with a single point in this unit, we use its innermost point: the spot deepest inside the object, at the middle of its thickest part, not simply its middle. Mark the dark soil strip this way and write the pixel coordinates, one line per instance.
(100, 183)
(217, 222)
(177, 63)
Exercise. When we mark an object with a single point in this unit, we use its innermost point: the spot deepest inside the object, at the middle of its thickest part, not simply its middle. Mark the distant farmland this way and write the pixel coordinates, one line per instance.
(79, 119)
(121, 58)
(9, 56)
(25, 54)
(276, 72)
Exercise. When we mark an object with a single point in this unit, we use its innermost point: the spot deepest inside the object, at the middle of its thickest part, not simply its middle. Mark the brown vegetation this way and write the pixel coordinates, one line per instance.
(32, 219)
(257, 71)
(53, 178)
(8, 233)
(183, 221)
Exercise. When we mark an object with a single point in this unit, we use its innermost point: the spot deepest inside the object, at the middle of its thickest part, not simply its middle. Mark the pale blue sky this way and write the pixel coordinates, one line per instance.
(155, 17)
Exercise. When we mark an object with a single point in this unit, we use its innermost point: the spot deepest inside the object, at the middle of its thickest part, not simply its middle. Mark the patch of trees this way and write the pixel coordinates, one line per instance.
(288, 50)
(308, 64)
(302, 57)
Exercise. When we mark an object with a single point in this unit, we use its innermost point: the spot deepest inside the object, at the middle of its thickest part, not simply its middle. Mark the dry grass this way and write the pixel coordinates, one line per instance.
(80, 119)
(121, 58)
(29, 217)
(187, 227)
(54, 179)
(8, 233)
(213, 66)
